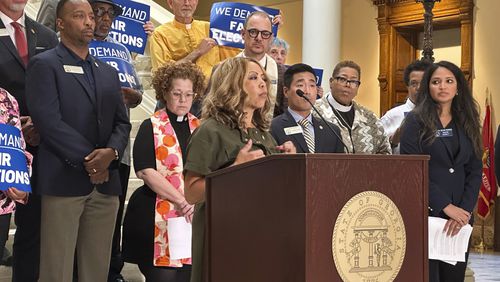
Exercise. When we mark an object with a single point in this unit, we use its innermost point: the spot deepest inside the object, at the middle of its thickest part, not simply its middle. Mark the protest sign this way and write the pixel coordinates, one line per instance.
(117, 56)
(227, 19)
(128, 27)
(319, 76)
(13, 166)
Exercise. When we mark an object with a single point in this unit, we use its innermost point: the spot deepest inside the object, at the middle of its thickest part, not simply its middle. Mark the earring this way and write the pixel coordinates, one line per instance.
(456, 94)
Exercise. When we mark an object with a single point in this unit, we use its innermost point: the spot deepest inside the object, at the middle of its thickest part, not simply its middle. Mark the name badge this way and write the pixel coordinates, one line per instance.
(446, 132)
(3, 32)
(293, 130)
(73, 69)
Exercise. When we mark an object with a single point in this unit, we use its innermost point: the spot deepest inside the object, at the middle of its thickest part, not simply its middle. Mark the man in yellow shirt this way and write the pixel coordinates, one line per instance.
(186, 39)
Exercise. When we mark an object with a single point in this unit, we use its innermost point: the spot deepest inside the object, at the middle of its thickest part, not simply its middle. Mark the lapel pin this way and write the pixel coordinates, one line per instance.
(96, 64)
(32, 31)
(320, 127)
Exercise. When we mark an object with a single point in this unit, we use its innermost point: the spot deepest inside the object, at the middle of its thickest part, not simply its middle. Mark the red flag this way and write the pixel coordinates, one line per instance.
(488, 190)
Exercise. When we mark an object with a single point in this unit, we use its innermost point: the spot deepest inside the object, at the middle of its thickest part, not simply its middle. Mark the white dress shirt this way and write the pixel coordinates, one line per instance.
(392, 120)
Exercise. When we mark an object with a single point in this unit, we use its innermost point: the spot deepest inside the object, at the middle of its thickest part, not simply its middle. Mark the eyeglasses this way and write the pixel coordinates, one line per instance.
(100, 12)
(414, 84)
(253, 33)
(346, 82)
(186, 96)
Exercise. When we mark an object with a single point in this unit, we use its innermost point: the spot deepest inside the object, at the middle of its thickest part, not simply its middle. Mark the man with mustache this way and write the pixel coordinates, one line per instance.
(76, 102)
(20, 39)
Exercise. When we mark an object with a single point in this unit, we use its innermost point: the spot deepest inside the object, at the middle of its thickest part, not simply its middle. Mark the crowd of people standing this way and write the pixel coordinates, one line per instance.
(218, 107)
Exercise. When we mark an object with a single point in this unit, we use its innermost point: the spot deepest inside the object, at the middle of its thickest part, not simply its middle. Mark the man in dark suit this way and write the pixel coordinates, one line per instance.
(297, 124)
(76, 103)
(20, 39)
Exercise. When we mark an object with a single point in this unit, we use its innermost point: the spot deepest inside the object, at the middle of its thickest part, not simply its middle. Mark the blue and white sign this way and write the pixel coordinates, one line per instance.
(319, 76)
(13, 166)
(117, 56)
(128, 27)
(227, 19)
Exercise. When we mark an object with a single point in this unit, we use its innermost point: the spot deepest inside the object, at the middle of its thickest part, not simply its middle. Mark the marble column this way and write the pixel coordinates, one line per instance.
(321, 36)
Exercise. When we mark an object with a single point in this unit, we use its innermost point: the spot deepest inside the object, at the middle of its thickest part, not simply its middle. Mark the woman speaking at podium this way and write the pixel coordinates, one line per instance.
(445, 125)
(234, 130)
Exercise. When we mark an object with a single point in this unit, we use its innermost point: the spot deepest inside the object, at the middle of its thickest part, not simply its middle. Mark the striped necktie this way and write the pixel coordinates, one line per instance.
(307, 134)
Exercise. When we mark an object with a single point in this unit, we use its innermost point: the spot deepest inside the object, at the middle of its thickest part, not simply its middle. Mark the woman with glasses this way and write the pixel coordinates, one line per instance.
(360, 127)
(445, 124)
(235, 130)
(159, 154)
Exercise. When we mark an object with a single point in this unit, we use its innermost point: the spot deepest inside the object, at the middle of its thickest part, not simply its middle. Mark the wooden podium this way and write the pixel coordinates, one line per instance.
(272, 219)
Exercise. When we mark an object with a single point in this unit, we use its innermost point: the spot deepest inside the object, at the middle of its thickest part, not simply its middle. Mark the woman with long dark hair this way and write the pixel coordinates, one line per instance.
(445, 124)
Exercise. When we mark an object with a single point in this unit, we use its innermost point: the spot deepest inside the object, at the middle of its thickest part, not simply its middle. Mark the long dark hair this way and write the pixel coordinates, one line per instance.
(464, 108)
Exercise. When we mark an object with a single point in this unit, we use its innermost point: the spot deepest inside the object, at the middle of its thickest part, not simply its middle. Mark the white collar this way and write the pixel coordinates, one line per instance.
(409, 103)
(262, 62)
(7, 21)
(339, 107)
(298, 117)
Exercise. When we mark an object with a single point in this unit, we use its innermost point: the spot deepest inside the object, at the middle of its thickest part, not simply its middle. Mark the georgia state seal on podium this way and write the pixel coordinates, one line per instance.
(369, 239)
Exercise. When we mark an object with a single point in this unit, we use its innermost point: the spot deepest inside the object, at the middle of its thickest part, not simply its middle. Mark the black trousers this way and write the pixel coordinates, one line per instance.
(4, 231)
(166, 274)
(26, 249)
(116, 263)
(444, 272)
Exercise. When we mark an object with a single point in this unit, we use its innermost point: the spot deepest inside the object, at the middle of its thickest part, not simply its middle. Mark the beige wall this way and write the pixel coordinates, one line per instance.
(446, 45)
(360, 43)
(292, 29)
(486, 55)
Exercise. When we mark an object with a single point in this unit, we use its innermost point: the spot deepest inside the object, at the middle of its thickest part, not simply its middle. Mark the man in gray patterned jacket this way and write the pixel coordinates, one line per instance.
(361, 130)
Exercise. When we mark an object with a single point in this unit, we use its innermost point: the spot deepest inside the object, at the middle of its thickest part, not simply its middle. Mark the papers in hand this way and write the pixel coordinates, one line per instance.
(179, 238)
(446, 248)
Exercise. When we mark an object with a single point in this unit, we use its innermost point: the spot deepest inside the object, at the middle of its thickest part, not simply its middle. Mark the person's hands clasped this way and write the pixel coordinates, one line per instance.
(458, 214)
(246, 155)
(96, 164)
(99, 177)
(452, 227)
(186, 210)
(287, 148)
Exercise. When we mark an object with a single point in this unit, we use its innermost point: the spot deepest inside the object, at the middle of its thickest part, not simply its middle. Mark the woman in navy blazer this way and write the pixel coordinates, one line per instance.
(445, 124)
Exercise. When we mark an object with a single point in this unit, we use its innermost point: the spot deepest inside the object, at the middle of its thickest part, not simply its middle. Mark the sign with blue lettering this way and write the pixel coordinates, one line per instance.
(117, 56)
(128, 27)
(227, 19)
(13, 166)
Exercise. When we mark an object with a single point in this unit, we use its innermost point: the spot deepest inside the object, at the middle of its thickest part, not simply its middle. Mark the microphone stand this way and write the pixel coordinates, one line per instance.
(302, 94)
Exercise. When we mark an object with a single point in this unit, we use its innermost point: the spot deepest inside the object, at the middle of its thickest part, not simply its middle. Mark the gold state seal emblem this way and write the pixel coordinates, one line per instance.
(369, 239)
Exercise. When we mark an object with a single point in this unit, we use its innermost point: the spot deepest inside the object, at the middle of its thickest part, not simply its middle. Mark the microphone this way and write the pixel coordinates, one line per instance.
(301, 93)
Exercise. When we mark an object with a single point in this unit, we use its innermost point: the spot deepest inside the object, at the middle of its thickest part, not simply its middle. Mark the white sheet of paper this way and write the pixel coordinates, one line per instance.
(179, 238)
(444, 248)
